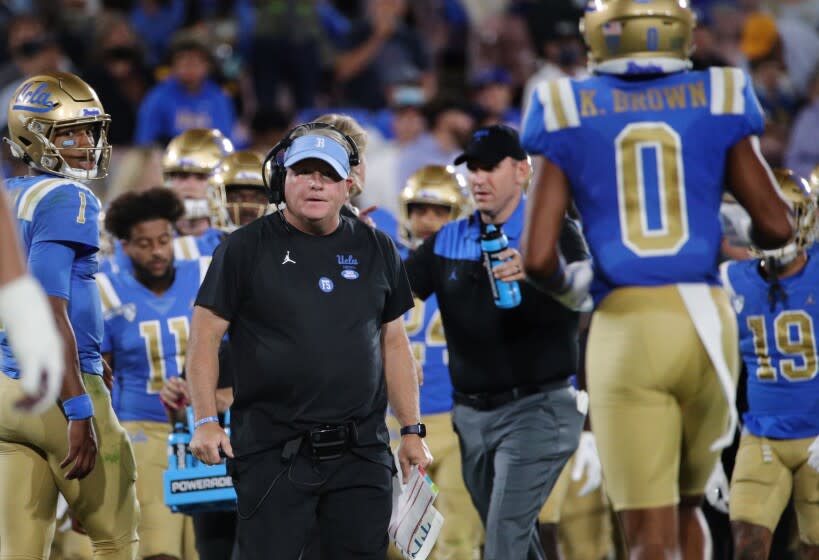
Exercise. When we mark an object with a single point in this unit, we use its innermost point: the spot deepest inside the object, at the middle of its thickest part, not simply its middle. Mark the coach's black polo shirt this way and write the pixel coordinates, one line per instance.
(305, 318)
(492, 350)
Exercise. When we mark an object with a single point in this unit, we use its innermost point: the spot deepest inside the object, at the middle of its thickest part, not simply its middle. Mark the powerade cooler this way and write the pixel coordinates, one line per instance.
(191, 486)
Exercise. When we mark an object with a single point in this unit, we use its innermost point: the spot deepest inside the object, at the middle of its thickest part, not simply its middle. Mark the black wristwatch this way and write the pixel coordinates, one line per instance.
(419, 430)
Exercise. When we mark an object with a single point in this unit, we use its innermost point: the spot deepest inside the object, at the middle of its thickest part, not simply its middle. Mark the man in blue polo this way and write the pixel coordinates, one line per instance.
(517, 418)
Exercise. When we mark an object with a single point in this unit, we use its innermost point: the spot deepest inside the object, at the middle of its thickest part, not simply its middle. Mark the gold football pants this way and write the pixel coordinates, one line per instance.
(31, 450)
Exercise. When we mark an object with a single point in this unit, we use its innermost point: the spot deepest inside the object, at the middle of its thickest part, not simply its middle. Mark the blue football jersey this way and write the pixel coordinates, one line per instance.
(51, 208)
(147, 336)
(426, 333)
(779, 349)
(646, 163)
(188, 247)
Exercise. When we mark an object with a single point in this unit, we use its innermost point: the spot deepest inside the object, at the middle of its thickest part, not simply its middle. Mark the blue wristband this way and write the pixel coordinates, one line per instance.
(205, 420)
(79, 408)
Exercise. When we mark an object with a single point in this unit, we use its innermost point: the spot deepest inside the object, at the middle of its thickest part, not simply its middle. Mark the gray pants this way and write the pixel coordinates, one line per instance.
(511, 458)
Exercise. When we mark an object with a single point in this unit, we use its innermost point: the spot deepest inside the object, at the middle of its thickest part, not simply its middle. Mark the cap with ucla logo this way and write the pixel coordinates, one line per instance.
(318, 146)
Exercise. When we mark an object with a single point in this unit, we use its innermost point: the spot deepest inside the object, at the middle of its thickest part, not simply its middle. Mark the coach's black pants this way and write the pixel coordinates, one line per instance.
(215, 534)
(349, 499)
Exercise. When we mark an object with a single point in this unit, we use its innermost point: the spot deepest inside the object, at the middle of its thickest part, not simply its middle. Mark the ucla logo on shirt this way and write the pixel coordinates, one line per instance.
(348, 266)
(325, 285)
(349, 260)
(36, 101)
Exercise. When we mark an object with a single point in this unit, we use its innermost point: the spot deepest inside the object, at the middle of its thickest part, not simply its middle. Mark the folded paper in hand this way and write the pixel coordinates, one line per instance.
(415, 524)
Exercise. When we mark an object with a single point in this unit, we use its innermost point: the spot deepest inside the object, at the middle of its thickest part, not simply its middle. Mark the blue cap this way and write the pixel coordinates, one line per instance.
(321, 147)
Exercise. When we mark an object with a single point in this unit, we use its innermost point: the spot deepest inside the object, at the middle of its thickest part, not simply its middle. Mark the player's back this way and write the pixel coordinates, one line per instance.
(58, 210)
(646, 161)
(147, 335)
(778, 347)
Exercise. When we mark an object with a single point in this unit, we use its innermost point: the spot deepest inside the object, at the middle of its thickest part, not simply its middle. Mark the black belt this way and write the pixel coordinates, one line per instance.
(490, 401)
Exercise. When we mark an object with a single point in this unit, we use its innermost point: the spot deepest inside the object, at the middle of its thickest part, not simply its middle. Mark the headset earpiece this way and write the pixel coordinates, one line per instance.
(274, 173)
(273, 170)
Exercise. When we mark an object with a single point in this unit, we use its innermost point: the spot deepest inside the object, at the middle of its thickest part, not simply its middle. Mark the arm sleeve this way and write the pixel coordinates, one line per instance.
(534, 137)
(572, 244)
(753, 121)
(224, 282)
(51, 264)
(421, 270)
(399, 298)
(66, 213)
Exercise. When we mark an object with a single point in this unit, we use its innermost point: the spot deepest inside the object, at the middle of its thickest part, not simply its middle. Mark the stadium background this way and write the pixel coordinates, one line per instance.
(418, 74)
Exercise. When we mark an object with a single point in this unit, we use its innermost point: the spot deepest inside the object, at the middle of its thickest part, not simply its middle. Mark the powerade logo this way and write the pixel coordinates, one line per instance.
(36, 101)
(199, 484)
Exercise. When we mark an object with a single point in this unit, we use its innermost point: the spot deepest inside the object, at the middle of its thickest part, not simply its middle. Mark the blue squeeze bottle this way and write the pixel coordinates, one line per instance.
(505, 294)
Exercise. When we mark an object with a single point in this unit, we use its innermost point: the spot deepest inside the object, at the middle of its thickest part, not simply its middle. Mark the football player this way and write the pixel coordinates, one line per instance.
(58, 127)
(778, 458)
(26, 317)
(190, 167)
(644, 148)
(433, 196)
(147, 314)
(241, 187)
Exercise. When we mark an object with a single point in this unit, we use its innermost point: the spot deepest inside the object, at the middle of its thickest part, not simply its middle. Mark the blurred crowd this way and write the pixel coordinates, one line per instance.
(420, 75)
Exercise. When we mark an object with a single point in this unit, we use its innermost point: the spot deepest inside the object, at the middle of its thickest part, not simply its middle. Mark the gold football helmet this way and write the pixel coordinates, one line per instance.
(241, 170)
(432, 184)
(43, 106)
(200, 150)
(197, 150)
(797, 193)
(631, 37)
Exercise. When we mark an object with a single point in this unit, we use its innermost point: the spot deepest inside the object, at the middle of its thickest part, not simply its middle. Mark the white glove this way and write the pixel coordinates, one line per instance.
(717, 489)
(575, 293)
(586, 458)
(813, 457)
(34, 339)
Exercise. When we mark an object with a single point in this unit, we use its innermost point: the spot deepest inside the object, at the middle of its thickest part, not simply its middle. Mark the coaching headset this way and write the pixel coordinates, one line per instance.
(273, 169)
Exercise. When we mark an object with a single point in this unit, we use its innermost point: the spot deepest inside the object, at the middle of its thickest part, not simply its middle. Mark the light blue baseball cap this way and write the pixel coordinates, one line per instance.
(320, 147)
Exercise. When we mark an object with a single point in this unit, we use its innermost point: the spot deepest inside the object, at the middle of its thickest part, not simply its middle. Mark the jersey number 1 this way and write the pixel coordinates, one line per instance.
(151, 333)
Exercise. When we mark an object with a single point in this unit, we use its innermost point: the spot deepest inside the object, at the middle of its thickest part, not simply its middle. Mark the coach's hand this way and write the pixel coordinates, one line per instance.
(82, 448)
(412, 450)
(207, 440)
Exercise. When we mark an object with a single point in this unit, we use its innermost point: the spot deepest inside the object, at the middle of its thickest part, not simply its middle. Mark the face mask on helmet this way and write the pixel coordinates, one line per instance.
(241, 187)
(57, 125)
(797, 193)
(625, 37)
